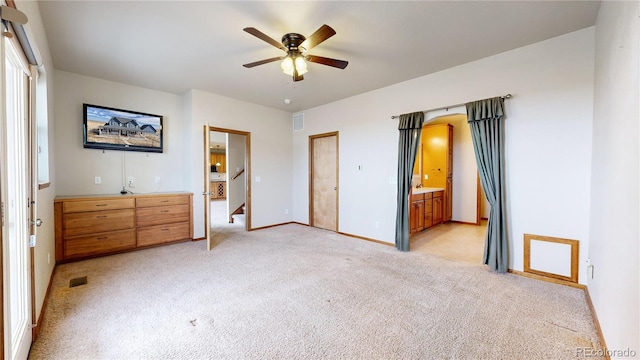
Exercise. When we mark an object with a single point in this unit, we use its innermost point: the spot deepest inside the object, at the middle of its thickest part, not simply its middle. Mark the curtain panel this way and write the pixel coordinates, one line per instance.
(410, 128)
(486, 121)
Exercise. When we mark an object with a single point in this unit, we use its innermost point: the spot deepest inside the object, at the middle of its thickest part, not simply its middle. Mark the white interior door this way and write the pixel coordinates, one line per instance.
(15, 193)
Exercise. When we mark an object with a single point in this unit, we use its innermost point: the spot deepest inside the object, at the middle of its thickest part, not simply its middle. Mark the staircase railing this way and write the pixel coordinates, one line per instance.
(238, 174)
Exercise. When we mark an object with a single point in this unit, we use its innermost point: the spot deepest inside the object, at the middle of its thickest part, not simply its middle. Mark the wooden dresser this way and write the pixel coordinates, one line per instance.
(90, 226)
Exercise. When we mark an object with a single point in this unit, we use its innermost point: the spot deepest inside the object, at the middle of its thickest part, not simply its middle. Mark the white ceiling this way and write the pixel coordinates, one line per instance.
(175, 46)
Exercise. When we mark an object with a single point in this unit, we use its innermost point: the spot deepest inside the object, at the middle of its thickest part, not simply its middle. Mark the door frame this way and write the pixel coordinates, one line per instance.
(207, 185)
(311, 139)
(207, 170)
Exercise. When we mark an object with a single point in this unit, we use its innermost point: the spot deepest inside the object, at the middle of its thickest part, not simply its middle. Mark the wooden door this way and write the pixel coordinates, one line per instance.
(324, 181)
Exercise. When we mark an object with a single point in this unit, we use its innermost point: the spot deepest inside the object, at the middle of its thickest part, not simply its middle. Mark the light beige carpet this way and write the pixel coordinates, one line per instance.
(295, 292)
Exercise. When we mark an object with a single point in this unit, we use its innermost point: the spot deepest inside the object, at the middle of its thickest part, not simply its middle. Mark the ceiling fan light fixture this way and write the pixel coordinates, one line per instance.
(287, 66)
(301, 65)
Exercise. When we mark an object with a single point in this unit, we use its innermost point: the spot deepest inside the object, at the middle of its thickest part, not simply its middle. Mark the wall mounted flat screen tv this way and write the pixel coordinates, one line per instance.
(116, 129)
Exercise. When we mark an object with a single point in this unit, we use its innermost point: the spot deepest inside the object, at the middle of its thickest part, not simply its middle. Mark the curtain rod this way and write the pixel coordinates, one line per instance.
(508, 96)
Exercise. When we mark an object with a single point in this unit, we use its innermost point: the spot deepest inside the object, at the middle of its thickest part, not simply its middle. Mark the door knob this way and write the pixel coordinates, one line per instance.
(206, 193)
(38, 222)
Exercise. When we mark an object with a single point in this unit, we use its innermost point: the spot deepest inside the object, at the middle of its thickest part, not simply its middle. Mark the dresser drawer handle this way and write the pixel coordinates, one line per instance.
(164, 200)
(102, 238)
(101, 217)
(101, 204)
(165, 230)
(164, 211)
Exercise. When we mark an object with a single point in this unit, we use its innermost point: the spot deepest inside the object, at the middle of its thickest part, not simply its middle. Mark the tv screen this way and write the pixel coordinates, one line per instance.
(116, 129)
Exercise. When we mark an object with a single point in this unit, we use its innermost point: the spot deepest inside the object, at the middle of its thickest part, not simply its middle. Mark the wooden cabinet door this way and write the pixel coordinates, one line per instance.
(437, 210)
(450, 152)
(416, 216)
(448, 202)
(413, 221)
(221, 159)
(419, 215)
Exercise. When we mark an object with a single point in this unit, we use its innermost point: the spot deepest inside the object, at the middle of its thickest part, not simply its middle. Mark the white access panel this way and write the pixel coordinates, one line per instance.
(554, 258)
(551, 257)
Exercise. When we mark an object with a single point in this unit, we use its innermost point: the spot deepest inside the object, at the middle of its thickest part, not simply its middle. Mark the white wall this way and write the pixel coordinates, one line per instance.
(44, 252)
(77, 167)
(270, 154)
(548, 140)
(615, 289)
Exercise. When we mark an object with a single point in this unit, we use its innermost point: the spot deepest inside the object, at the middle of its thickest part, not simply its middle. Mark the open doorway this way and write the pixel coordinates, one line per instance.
(227, 169)
(463, 237)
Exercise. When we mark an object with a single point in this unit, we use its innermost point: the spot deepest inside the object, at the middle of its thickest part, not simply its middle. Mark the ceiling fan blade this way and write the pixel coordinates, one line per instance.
(262, 36)
(265, 61)
(322, 34)
(341, 64)
(297, 77)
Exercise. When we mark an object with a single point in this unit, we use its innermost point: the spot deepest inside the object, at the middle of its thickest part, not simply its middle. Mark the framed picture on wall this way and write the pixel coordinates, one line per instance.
(116, 129)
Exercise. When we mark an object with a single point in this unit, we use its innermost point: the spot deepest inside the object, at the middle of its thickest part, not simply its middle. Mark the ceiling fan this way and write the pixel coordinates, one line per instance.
(296, 46)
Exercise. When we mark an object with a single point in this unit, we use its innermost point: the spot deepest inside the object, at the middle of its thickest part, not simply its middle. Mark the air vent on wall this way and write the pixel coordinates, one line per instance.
(298, 122)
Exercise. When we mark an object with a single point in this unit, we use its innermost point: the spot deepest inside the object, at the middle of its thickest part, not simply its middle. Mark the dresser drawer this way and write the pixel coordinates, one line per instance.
(99, 244)
(438, 194)
(162, 215)
(97, 205)
(162, 200)
(159, 234)
(417, 197)
(97, 221)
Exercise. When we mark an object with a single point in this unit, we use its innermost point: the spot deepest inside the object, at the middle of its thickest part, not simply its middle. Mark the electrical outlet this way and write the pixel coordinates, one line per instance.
(286, 211)
(97, 180)
(130, 181)
(157, 179)
(377, 225)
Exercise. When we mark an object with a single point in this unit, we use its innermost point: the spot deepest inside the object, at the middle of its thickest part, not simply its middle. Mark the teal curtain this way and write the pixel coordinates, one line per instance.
(486, 121)
(410, 128)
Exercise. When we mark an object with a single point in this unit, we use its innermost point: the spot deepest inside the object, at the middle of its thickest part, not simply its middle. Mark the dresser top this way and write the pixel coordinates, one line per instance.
(61, 198)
